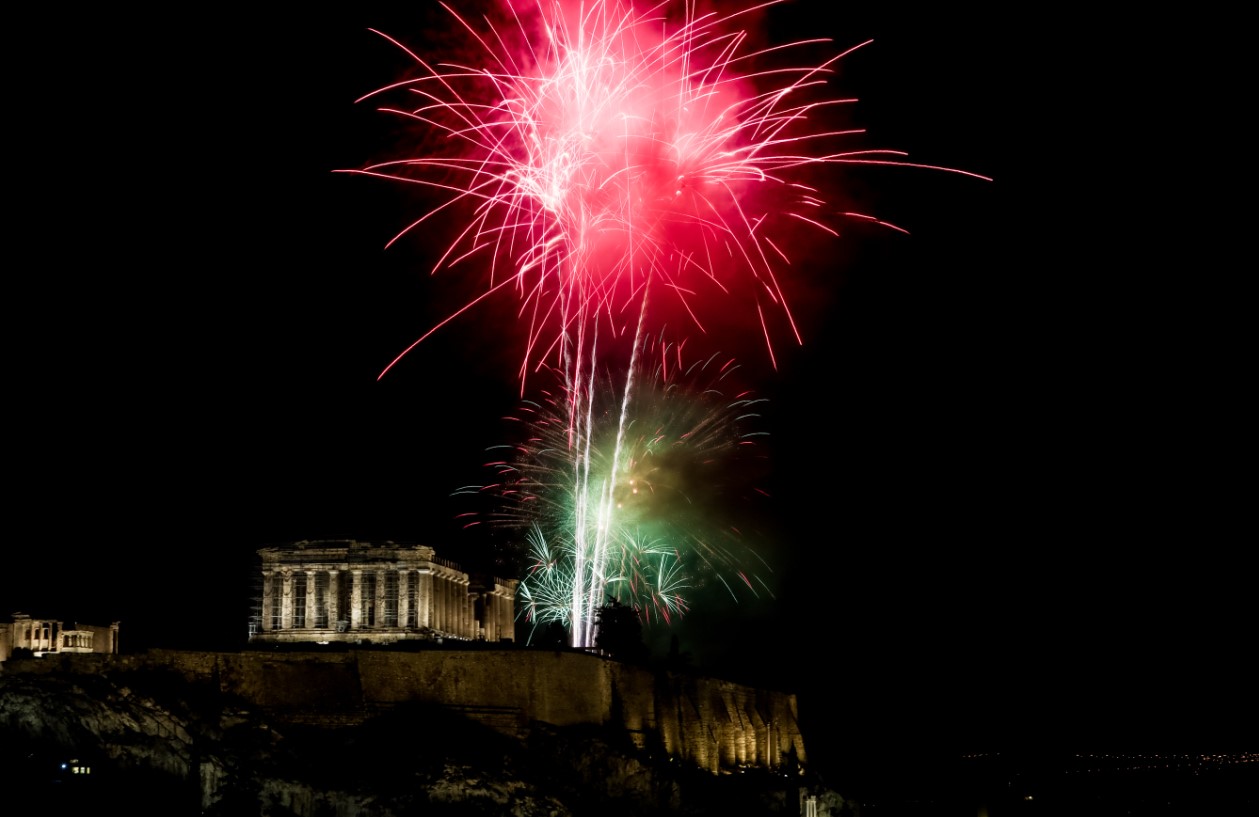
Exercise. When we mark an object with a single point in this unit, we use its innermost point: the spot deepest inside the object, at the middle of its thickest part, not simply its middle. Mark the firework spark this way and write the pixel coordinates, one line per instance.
(637, 508)
(603, 157)
(601, 151)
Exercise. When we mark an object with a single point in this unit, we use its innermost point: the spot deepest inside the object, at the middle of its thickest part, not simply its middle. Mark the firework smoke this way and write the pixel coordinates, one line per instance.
(640, 507)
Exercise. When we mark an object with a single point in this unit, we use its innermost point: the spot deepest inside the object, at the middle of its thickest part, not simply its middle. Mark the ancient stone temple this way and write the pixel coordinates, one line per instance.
(45, 636)
(347, 591)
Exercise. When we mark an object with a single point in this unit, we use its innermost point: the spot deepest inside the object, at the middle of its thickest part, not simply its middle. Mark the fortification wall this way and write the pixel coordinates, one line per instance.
(712, 723)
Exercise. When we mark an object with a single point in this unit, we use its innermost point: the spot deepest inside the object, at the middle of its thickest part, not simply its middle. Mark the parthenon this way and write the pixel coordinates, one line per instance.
(348, 591)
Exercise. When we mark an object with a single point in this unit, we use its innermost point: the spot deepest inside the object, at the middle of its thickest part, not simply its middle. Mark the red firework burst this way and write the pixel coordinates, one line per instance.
(602, 151)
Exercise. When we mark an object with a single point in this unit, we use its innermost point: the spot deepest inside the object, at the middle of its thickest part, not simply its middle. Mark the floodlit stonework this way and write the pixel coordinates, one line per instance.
(346, 591)
(49, 636)
(707, 723)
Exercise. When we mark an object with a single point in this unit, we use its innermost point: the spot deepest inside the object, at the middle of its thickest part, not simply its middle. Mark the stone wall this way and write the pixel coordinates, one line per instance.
(712, 723)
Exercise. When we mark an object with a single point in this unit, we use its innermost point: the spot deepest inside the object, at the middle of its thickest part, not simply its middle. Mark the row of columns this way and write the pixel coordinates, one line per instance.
(440, 596)
(500, 614)
(38, 635)
(54, 636)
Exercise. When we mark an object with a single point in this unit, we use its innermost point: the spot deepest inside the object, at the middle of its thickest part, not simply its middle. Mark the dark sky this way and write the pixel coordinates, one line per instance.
(995, 513)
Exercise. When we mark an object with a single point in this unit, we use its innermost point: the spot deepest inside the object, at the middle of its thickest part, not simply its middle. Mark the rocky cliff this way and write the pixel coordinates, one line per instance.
(377, 734)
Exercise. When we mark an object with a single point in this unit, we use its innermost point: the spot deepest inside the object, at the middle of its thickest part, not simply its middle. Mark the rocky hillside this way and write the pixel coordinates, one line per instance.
(155, 743)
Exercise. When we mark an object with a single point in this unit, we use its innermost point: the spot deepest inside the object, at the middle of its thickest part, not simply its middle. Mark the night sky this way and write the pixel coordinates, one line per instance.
(995, 511)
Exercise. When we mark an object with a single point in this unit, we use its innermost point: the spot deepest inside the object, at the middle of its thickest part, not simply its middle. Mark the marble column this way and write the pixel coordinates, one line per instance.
(404, 597)
(310, 598)
(465, 610)
(286, 596)
(334, 596)
(356, 599)
(439, 601)
(380, 598)
(425, 598)
(506, 617)
(267, 601)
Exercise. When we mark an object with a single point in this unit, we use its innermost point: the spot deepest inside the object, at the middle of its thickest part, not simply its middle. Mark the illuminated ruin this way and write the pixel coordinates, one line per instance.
(48, 636)
(346, 591)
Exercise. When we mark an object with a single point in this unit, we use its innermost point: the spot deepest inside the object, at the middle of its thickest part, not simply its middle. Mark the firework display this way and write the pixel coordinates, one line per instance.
(639, 509)
(611, 165)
